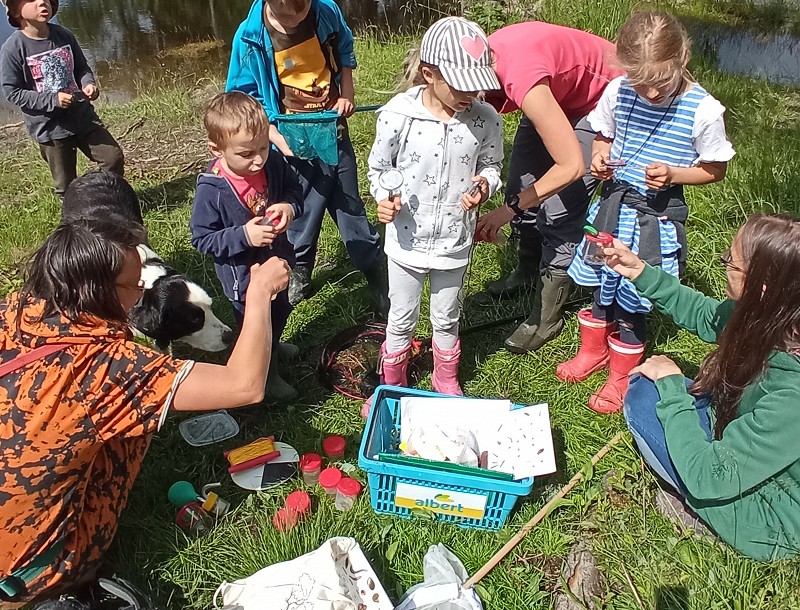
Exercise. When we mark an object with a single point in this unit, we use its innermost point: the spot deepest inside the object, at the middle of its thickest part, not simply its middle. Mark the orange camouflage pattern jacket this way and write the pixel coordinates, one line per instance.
(74, 429)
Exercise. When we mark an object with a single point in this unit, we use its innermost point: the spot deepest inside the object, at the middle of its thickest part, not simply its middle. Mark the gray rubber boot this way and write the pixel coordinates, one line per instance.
(546, 321)
(524, 275)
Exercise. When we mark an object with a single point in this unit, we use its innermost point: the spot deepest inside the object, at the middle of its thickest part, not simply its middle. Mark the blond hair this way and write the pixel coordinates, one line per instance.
(411, 76)
(654, 49)
(229, 113)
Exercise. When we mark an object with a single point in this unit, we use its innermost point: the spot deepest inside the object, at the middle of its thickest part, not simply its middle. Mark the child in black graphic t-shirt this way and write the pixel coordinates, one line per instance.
(45, 73)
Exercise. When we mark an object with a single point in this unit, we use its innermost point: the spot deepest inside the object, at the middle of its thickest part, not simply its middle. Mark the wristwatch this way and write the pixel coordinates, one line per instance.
(513, 203)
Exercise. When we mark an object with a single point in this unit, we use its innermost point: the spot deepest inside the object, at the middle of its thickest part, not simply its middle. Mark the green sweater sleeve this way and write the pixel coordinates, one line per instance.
(754, 447)
(692, 310)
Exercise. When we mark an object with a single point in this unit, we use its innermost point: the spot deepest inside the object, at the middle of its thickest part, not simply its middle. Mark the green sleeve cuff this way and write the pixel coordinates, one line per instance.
(647, 278)
(671, 385)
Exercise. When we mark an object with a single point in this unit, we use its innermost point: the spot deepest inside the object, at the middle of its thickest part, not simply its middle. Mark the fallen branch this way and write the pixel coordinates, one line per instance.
(543, 512)
(11, 125)
(136, 125)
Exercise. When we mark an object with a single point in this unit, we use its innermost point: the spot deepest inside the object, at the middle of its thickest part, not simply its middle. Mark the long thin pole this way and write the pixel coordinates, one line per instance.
(500, 555)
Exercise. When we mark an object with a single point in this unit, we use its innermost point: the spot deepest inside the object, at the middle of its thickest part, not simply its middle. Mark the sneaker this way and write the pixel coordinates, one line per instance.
(672, 507)
(105, 594)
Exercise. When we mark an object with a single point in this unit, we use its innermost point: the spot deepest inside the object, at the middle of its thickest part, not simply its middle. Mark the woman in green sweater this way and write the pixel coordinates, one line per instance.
(728, 442)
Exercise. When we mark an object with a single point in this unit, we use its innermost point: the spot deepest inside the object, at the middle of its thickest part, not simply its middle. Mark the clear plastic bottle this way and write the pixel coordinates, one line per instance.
(329, 480)
(346, 493)
(310, 466)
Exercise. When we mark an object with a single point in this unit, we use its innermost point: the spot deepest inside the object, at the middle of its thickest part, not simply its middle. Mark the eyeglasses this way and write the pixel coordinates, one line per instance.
(726, 260)
(139, 286)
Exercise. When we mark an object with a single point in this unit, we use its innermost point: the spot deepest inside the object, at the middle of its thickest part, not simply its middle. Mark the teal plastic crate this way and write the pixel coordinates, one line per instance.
(469, 500)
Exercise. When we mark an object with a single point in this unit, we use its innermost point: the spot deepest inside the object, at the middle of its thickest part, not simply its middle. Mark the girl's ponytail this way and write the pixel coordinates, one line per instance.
(412, 75)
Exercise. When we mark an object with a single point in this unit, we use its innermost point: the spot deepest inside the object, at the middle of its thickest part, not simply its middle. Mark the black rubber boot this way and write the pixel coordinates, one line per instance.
(526, 272)
(299, 284)
(378, 282)
(546, 320)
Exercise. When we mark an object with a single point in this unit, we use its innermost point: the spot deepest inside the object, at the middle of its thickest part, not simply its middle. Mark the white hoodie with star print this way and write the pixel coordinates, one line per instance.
(438, 160)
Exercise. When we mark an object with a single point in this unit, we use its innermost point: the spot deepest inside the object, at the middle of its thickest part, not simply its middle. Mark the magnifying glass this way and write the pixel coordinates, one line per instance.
(391, 180)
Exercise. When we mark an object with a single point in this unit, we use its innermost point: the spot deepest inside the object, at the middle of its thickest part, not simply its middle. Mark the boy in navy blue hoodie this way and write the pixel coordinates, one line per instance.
(296, 56)
(242, 207)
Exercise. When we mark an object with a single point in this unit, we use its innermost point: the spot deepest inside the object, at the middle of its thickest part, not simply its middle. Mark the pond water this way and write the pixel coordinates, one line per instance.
(131, 43)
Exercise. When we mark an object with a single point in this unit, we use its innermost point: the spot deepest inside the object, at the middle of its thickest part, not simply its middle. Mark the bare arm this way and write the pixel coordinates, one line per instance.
(241, 381)
(559, 139)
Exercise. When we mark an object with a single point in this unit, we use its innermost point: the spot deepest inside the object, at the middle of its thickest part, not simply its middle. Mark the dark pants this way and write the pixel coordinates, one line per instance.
(62, 155)
(557, 224)
(333, 188)
(281, 308)
(632, 326)
(640, 414)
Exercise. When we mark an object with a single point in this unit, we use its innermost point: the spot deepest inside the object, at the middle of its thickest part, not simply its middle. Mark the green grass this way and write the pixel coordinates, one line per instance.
(640, 553)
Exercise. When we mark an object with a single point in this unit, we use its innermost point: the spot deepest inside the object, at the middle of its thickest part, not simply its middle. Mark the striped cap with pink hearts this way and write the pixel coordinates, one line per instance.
(460, 50)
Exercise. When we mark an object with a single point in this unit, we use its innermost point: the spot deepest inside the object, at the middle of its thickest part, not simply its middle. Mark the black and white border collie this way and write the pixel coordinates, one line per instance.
(173, 308)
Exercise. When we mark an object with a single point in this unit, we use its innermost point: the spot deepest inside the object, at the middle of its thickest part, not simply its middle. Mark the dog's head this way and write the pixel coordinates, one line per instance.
(173, 308)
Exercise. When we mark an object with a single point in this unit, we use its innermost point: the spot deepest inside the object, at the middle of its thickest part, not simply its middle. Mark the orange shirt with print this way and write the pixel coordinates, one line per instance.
(74, 429)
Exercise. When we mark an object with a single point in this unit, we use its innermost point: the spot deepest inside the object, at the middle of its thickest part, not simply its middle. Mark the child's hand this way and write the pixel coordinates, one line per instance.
(388, 209)
(344, 106)
(657, 176)
(599, 168)
(64, 99)
(260, 235)
(477, 193)
(91, 91)
(281, 215)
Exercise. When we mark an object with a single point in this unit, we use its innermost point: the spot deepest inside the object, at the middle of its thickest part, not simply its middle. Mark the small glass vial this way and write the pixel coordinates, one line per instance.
(310, 466)
(329, 480)
(346, 493)
(334, 447)
(593, 243)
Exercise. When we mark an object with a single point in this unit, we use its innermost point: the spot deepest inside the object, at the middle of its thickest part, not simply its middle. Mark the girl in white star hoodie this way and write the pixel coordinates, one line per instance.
(448, 146)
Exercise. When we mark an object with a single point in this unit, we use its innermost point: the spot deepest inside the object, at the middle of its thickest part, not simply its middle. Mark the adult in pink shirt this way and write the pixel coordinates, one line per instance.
(556, 76)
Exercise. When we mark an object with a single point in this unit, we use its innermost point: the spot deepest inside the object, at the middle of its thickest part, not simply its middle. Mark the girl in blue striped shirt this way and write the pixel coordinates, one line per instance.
(657, 130)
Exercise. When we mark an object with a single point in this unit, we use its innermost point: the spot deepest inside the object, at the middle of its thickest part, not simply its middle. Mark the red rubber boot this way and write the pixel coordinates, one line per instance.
(445, 370)
(593, 353)
(622, 358)
(394, 371)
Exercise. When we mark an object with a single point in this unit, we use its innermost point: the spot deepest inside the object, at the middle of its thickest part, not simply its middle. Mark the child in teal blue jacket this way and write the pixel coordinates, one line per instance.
(297, 56)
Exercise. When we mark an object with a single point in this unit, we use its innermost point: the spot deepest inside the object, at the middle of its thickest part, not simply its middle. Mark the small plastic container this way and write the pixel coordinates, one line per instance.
(283, 520)
(310, 466)
(298, 503)
(593, 243)
(329, 480)
(346, 493)
(334, 447)
(194, 520)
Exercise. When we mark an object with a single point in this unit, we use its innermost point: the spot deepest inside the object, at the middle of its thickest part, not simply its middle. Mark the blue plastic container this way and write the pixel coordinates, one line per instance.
(469, 500)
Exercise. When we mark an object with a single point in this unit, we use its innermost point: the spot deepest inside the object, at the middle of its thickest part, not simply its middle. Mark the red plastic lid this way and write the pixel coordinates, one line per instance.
(601, 238)
(330, 477)
(299, 502)
(334, 445)
(349, 487)
(310, 462)
(284, 520)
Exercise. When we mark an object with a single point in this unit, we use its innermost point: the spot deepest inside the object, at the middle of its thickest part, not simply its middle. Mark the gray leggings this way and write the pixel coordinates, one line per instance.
(405, 291)
(558, 222)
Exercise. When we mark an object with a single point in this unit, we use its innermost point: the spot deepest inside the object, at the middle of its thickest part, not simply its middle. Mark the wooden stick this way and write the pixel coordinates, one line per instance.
(500, 555)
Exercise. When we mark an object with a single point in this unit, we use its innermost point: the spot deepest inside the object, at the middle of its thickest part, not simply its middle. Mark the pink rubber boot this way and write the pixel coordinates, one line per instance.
(445, 370)
(393, 369)
(593, 353)
(623, 357)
